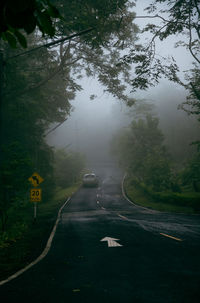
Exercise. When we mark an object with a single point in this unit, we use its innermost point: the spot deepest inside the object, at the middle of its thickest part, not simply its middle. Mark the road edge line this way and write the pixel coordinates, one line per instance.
(125, 196)
(43, 254)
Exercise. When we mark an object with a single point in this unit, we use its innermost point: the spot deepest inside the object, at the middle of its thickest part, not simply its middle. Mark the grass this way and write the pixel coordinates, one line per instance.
(142, 198)
(24, 239)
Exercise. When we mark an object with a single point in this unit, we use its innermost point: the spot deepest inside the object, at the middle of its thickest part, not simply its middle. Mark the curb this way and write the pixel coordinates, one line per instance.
(45, 251)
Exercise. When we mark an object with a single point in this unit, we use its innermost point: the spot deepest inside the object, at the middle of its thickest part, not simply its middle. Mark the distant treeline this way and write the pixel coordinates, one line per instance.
(142, 152)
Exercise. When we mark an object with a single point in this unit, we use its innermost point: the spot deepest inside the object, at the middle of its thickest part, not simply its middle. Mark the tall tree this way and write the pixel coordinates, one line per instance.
(176, 17)
(39, 84)
(142, 152)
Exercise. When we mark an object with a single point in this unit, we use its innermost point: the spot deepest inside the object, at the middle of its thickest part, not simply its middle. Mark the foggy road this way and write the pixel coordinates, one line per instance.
(109, 250)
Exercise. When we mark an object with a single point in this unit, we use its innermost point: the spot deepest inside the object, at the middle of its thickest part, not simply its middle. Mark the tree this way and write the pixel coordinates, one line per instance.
(191, 173)
(68, 167)
(17, 17)
(96, 53)
(192, 104)
(39, 84)
(177, 17)
(28, 109)
(141, 150)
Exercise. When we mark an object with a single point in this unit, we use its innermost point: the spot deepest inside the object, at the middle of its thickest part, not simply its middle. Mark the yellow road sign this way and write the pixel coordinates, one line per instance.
(36, 194)
(36, 179)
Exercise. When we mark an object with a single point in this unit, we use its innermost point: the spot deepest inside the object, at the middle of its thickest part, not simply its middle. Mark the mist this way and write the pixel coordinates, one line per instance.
(93, 122)
(100, 159)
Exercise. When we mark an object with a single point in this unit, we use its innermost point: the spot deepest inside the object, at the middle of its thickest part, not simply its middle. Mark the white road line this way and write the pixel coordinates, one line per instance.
(125, 196)
(43, 254)
(102, 207)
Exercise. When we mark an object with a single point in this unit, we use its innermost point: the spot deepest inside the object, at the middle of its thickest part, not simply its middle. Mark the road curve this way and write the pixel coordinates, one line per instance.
(108, 250)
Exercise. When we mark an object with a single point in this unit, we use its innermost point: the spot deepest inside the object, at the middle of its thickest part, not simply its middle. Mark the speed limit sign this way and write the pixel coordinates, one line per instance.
(36, 194)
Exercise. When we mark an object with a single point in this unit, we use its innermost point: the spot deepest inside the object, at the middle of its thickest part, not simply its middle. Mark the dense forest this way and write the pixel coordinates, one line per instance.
(161, 163)
(46, 48)
(38, 82)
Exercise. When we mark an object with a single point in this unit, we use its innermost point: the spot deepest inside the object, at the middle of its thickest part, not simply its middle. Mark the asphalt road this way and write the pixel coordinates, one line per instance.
(155, 259)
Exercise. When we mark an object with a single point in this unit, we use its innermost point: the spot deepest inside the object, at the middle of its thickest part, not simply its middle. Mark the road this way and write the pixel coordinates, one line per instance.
(156, 257)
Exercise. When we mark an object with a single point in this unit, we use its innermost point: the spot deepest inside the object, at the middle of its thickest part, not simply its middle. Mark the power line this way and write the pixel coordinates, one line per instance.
(52, 43)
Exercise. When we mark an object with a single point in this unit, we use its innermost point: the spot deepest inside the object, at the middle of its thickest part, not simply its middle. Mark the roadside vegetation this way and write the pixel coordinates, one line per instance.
(184, 202)
(40, 68)
(153, 177)
(25, 238)
(38, 83)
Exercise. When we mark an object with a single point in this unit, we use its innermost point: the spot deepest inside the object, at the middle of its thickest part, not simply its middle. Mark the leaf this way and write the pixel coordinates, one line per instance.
(92, 97)
(21, 39)
(53, 11)
(45, 24)
(30, 25)
(10, 38)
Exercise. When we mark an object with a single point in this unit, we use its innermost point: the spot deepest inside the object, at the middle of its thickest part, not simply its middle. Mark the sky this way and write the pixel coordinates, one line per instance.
(92, 122)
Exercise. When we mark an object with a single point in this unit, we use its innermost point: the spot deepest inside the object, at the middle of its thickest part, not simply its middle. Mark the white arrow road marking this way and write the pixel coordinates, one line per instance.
(111, 242)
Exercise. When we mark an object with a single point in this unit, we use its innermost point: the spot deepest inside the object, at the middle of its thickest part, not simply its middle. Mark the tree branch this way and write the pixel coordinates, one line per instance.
(190, 40)
(54, 128)
(52, 43)
(197, 94)
(196, 5)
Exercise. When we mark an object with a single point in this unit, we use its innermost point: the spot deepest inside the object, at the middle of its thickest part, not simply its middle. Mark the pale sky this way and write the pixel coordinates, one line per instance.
(95, 114)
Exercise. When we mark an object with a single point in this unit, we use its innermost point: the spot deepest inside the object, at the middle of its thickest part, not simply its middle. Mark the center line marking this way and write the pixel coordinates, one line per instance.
(168, 236)
(122, 217)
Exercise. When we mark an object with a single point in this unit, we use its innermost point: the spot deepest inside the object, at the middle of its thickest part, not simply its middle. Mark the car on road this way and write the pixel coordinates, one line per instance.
(90, 180)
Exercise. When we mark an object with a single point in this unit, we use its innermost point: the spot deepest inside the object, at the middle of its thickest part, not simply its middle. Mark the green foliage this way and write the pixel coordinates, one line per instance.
(191, 173)
(176, 17)
(142, 152)
(163, 201)
(27, 110)
(17, 17)
(23, 241)
(149, 69)
(38, 86)
(192, 104)
(68, 167)
(97, 53)
(107, 19)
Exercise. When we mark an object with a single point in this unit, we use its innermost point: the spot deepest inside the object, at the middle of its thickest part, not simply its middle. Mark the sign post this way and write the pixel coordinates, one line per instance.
(35, 193)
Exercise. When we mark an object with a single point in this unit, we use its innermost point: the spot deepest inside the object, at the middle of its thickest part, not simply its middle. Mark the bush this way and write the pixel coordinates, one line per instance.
(189, 199)
(68, 167)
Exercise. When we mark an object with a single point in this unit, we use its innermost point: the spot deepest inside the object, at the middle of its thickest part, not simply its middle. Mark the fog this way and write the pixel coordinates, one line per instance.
(92, 123)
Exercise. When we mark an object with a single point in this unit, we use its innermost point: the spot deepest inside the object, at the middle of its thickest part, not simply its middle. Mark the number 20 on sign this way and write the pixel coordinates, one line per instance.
(35, 194)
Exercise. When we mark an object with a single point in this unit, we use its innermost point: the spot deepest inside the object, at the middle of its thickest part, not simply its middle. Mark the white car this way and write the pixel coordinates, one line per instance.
(90, 180)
